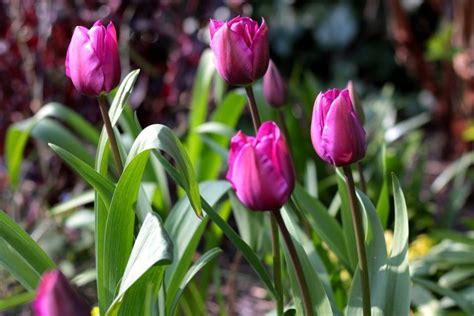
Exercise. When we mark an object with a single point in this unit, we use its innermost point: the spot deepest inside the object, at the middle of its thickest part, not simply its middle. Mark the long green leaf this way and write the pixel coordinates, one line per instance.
(323, 224)
(398, 289)
(118, 237)
(100, 183)
(186, 230)
(16, 300)
(18, 134)
(160, 137)
(201, 263)
(322, 305)
(152, 246)
(23, 250)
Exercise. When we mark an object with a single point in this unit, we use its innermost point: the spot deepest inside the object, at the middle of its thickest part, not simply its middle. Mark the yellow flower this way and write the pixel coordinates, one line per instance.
(95, 311)
(419, 247)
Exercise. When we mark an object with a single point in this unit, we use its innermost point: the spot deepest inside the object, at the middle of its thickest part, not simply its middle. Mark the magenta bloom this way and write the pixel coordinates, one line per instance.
(56, 297)
(260, 168)
(92, 60)
(240, 49)
(274, 87)
(336, 132)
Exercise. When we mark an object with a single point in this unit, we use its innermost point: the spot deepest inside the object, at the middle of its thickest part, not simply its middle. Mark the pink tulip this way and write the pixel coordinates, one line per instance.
(336, 132)
(56, 297)
(274, 87)
(260, 168)
(92, 60)
(240, 49)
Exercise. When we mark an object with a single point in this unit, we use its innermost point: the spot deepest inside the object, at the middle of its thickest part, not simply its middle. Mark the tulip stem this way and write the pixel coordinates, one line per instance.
(363, 184)
(253, 108)
(359, 234)
(277, 262)
(103, 105)
(308, 307)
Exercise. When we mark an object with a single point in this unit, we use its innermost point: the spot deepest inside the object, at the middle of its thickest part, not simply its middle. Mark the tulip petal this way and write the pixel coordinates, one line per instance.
(274, 87)
(214, 25)
(257, 183)
(260, 51)
(111, 61)
(343, 138)
(236, 144)
(83, 63)
(232, 57)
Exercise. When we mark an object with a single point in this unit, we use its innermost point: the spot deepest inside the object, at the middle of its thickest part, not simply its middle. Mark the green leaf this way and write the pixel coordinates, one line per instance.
(119, 236)
(101, 184)
(152, 246)
(466, 306)
(21, 254)
(121, 96)
(201, 263)
(398, 282)
(160, 137)
(16, 300)
(248, 222)
(225, 117)
(185, 230)
(319, 298)
(199, 103)
(346, 215)
(326, 226)
(18, 134)
(383, 203)
(73, 203)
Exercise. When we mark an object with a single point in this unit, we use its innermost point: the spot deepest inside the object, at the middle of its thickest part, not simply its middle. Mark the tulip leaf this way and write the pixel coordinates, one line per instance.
(199, 103)
(376, 260)
(326, 226)
(152, 246)
(200, 264)
(118, 238)
(227, 114)
(322, 305)
(186, 230)
(383, 203)
(398, 289)
(121, 96)
(160, 137)
(100, 183)
(40, 126)
(16, 300)
(20, 254)
(346, 215)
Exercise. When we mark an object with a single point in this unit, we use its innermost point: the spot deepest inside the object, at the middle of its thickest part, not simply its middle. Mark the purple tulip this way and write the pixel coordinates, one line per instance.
(260, 168)
(274, 87)
(336, 132)
(56, 297)
(92, 60)
(240, 49)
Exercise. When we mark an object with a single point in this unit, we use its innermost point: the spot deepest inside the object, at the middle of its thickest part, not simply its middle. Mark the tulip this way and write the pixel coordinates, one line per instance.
(56, 297)
(260, 168)
(356, 101)
(92, 60)
(336, 132)
(240, 49)
(274, 87)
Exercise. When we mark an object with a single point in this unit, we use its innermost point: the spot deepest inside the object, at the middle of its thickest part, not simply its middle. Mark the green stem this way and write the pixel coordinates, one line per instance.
(308, 307)
(277, 263)
(360, 169)
(110, 132)
(359, 234)
(253, 108)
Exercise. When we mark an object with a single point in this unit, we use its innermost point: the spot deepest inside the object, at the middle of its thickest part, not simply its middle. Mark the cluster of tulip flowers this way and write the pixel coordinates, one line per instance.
(260, 167)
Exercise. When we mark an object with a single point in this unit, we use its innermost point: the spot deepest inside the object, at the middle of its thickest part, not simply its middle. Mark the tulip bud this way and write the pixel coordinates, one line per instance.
(336, 132)
(356, 101)
(92, 60)
(274, 87)
(240, 49)
(260, 168)
(56, 297)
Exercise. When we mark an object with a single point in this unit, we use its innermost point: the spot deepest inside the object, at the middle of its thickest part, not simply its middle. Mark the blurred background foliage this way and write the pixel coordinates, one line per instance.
(412, 62)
